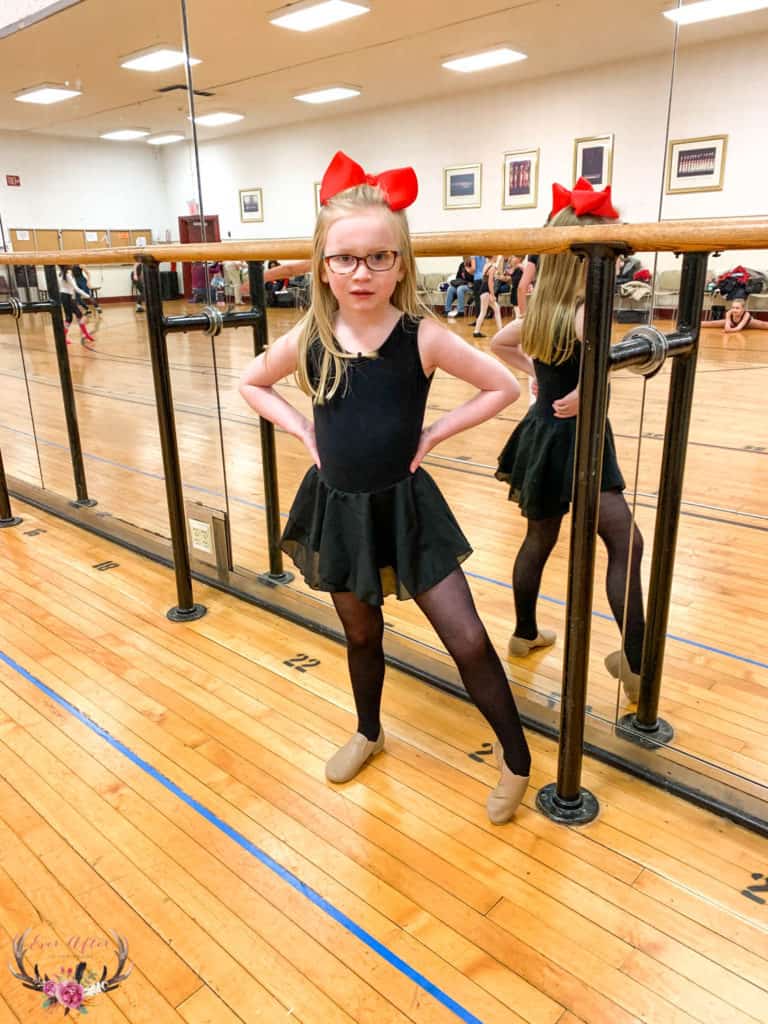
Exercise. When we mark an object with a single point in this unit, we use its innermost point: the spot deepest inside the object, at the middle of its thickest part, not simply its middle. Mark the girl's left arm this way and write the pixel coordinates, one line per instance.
(442, 349)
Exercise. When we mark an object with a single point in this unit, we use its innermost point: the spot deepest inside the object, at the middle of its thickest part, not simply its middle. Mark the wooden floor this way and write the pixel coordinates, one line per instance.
(715, 690)
(165, 782)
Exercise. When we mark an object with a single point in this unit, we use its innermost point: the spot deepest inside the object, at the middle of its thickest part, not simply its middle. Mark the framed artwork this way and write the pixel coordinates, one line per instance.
(593, 160)
(462, 186)
(520, 179)
(318, 185)
(696, 165)
(251, 205)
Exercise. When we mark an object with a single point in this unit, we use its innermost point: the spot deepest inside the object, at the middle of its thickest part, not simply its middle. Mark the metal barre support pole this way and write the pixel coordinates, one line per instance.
(645, 724)
(276, 573)
(186, 610)
(566, 801)
(7, 518)
(67, 392)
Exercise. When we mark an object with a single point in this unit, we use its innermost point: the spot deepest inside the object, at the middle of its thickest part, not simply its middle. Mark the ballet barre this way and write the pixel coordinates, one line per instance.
(210, 321)
(52, 306)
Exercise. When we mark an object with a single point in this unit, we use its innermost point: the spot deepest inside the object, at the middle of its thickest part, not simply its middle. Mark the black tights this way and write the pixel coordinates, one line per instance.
(450, 609)
(614, 527)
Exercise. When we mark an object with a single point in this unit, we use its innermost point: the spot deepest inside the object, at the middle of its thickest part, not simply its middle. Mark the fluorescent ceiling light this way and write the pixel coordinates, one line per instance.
(331, 95)
(494, 58)
(47, 93)
(707, 10)
(306, 17)
(158, 58)
(164, 140)
(219, 118)
(125, 134)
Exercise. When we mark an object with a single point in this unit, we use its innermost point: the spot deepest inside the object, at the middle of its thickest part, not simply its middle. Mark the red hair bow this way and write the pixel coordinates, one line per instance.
(400, 186)
(584, 199)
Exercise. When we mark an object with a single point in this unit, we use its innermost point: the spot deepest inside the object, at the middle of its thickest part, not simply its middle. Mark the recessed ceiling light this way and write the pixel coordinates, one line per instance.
(310, 15)
(47, 93)
(494, 58)
(331, 95)
(219, 118)
(707, 10)
(125, 134)
(164, 140)
(157, 58)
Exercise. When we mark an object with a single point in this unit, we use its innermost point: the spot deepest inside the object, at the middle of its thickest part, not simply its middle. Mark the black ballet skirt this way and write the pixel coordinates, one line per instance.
(364, 523)
(537, 460)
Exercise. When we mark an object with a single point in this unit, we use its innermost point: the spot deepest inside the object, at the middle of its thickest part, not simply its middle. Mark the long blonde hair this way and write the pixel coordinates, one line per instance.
(317, 323)
(549, 331)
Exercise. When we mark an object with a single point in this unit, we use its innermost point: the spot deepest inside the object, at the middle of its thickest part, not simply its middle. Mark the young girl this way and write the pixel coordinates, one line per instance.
(367, 520)
(68, 293)
(537, 461)
(488, 295)
(737, 319)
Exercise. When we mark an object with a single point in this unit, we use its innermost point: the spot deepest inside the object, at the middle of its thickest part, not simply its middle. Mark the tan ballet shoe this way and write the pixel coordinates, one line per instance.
(518, 647)
(504, 800)
(617, 665)
(349, 759)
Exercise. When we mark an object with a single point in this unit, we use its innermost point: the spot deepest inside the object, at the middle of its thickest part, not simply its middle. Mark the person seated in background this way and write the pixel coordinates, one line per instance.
(459, 287)
(626, 268)
(274, 284)
(737, 319)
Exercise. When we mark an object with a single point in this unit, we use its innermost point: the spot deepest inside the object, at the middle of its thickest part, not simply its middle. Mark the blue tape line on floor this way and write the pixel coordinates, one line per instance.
(474, 575)
(339, 916)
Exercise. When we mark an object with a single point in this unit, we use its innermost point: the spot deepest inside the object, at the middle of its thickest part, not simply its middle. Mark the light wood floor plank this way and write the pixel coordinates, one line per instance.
(638, 916)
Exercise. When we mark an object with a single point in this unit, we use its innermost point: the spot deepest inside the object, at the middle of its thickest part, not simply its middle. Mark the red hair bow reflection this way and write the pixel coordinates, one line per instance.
(584, 199)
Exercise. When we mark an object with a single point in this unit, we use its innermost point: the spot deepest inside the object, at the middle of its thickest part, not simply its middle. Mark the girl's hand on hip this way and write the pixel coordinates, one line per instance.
(307, 438)
(426, 443)
(567, 406)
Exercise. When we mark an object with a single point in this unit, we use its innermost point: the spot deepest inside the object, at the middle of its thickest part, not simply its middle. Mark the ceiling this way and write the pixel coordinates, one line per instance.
(254, 68)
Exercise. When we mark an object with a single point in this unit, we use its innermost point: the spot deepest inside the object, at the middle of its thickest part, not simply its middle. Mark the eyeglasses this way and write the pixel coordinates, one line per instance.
(343, 263)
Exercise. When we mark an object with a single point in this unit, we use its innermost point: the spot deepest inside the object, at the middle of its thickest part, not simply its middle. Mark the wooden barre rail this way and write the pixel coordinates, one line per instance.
(662, 236)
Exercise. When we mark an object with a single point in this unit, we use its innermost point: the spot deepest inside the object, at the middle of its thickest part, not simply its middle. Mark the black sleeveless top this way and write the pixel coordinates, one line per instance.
(369, 431)
(555, 381)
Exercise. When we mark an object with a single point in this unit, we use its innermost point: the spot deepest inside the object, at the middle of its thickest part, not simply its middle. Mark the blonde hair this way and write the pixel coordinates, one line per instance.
(549, 331)
(317, 323)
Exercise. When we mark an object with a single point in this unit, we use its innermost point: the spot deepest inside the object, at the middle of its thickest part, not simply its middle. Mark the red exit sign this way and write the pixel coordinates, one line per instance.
(13, 180)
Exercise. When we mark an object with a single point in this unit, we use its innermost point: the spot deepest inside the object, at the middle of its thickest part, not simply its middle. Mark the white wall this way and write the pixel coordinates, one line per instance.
(68, 183)
(718, 89)
(73, 183)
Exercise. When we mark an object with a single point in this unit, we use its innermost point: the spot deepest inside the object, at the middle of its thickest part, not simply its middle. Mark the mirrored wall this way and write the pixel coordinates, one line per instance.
(230, 150)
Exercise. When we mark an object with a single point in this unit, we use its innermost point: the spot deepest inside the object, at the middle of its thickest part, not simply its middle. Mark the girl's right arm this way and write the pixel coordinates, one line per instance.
(256, 387)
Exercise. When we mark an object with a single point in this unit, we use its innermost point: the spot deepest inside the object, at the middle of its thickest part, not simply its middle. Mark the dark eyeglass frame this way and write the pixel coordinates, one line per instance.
(361, 259)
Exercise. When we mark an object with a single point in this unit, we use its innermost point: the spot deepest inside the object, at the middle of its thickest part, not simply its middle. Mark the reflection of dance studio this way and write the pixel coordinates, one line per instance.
(362, 659)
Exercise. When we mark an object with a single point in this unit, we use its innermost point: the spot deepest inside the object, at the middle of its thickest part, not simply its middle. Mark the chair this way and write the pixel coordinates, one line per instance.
(666, 294)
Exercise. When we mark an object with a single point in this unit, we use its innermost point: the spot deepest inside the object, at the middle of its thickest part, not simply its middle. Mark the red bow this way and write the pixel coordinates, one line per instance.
(399, 186)
(584, 199)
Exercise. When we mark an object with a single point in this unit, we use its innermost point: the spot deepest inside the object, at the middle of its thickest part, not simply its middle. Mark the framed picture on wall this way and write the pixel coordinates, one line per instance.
(593, 160)
(520, 179)
(462, 186)
(696, 165)
(318, 185)
(251, 205)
